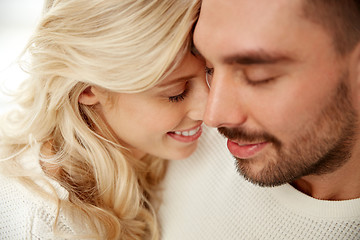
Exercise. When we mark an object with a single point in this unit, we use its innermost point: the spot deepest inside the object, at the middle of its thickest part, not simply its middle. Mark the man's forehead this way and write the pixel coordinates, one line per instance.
(229, 24)
(238, 13)
(212, 23)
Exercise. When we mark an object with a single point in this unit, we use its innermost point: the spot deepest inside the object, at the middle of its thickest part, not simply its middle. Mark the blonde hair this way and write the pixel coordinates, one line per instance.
(121, 46)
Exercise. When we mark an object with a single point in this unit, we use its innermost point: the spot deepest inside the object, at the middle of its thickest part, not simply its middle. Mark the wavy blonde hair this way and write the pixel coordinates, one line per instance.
(122, 46)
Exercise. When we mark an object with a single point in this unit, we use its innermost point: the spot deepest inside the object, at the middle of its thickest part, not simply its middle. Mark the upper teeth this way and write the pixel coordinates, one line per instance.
(188, 133)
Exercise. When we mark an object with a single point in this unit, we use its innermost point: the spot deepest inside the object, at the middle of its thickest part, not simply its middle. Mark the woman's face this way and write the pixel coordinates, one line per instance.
(164, 121)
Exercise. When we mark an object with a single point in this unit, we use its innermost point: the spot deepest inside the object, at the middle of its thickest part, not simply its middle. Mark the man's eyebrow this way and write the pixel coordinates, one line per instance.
(257, 57)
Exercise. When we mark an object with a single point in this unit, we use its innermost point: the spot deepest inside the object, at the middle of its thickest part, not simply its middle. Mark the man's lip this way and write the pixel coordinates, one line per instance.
(245, 150)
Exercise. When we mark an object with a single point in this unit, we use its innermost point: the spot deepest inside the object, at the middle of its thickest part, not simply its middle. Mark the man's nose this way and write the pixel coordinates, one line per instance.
(224, 108)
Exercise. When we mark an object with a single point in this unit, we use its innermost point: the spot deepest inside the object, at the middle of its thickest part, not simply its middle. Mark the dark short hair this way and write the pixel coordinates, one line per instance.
(340, 18)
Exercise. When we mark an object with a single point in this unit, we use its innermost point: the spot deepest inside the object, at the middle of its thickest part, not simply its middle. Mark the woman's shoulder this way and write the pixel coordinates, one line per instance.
(29, 203)
(20, 211)
(26, 214)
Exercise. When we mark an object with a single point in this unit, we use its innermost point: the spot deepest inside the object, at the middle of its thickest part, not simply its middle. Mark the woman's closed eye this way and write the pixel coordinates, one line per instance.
(181, 96)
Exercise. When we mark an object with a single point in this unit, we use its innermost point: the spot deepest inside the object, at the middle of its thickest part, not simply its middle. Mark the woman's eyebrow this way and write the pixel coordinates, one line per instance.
(175, 80)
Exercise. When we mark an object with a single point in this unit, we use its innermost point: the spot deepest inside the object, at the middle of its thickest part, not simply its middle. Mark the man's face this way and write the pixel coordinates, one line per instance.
(279, 91)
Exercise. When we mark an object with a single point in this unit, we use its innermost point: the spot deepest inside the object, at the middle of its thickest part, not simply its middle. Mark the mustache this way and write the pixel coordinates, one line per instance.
(246, 136)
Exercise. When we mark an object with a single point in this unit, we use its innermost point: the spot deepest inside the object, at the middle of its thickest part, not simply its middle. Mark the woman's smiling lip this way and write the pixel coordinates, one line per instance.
(245, 150)
(189, 135)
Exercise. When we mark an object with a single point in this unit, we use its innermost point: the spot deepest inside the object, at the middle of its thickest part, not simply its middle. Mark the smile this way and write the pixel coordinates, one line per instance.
(188, 133)
(186, 136)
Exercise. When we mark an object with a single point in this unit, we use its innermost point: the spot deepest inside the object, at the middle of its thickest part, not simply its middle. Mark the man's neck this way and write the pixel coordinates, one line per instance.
(342, 184)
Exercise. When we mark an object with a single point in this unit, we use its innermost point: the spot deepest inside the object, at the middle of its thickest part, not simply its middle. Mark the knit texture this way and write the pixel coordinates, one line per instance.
(26, 215)
(205, 198)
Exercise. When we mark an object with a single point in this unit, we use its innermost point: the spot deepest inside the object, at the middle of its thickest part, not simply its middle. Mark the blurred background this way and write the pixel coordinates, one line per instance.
(18, 18)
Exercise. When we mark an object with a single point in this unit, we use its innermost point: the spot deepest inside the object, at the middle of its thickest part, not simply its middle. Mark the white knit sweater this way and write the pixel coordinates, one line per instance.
(26, 215)
(205, 198)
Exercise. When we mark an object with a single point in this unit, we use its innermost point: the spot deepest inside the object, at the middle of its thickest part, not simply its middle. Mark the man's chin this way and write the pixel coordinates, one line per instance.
(259, 175)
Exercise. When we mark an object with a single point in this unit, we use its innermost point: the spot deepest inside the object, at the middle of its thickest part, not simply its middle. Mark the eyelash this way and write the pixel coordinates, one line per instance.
(255, 83)
(209, 71)
(180, 97)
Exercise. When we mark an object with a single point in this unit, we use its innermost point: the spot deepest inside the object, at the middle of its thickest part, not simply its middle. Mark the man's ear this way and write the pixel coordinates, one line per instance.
(90, 96)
